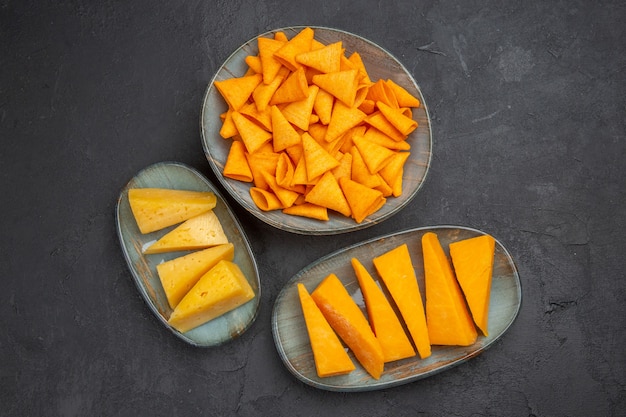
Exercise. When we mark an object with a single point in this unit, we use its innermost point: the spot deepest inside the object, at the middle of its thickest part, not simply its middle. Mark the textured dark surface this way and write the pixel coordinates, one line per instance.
(528, 106)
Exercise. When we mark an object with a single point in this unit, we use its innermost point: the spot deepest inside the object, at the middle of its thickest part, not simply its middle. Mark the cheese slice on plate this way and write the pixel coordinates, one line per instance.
(158, 208)
(219, 291)
(180, 274)
(199, 232)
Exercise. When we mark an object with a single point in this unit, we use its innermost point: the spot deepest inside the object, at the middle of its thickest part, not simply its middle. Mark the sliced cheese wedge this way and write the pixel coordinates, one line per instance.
(199, 232)
(329, 354)
(449, 321)
(385, 323)
(157, 208)
(180, 274)
(396, 269)
(347, 319)
(473, 263)
(222, 289)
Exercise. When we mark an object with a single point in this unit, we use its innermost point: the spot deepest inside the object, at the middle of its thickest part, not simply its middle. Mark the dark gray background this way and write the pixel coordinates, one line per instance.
(528, 107)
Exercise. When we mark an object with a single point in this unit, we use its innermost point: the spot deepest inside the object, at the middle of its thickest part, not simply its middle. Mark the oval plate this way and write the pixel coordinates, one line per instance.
(143, 267)
(380, 64)
(289, 328)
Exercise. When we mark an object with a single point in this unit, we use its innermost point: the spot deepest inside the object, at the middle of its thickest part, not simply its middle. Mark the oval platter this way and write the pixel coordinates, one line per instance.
(290, 333)
(143, 267)
(380, 64)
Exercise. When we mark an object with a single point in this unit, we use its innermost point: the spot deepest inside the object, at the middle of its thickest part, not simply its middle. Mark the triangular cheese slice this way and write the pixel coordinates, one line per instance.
(473, 263)
(222, 289)
(384, 321)
(157, 208)
(329, 354)
(449, 321)
(347, 319)
(199, 232)
(180, 274)
(398, 274)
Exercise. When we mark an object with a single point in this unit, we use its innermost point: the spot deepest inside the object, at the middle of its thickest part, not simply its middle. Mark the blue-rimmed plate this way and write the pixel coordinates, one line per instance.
(292, 340)
(380, 64)
(143, 267)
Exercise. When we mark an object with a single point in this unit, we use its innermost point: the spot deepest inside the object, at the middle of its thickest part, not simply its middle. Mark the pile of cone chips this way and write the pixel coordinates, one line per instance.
(312, 132)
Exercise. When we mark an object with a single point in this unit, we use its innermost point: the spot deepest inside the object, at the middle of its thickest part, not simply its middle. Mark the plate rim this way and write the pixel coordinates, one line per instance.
(123, 194)
(389, 384)
(259, 214)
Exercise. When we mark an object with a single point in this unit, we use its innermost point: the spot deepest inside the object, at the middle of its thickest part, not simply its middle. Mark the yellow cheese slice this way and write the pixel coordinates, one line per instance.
(158, 208)
(222, 289)
(199, 232)
(180, 274)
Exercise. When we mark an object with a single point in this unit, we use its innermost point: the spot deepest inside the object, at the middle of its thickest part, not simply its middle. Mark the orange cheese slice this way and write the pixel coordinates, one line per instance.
(473, 263)
(449, 321)
(329, 354)
(384, 321)
(396, 269)
(347, 319)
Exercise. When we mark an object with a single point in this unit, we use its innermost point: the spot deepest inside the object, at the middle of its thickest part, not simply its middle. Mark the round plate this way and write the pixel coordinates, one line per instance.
(143, 267)
(292, 340)
(380, 64)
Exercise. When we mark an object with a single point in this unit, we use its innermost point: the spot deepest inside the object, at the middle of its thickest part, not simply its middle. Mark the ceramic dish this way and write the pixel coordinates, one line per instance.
(289, 328)
(143, 267)
(380, 64)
